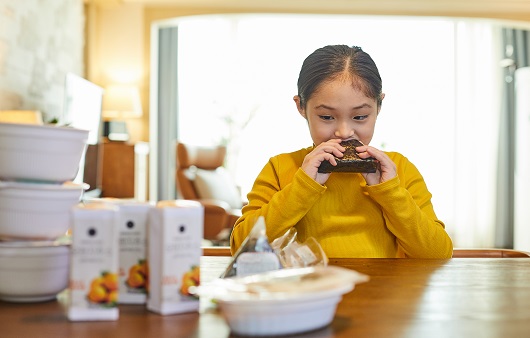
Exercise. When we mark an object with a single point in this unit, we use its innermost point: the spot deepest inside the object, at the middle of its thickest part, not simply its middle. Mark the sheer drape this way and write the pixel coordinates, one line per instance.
(521, 230)
(477, 97)
(516, 54)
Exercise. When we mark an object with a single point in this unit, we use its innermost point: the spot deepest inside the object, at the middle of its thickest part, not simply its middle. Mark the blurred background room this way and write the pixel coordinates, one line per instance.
(224, 72)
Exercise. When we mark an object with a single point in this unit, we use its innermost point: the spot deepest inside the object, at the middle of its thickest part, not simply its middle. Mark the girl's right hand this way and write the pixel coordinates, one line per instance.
(324, 151)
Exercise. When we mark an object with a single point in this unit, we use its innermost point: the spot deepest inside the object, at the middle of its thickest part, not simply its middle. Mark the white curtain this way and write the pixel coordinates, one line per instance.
(522, 160)
(477, 110)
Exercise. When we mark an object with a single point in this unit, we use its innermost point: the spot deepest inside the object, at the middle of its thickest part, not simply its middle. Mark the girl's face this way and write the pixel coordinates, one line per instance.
(338, 110)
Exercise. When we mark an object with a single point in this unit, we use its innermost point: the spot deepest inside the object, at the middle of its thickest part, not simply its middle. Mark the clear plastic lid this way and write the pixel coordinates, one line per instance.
(285, 284)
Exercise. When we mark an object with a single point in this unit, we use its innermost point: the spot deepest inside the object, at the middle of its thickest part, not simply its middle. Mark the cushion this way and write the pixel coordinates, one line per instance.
(217, 184)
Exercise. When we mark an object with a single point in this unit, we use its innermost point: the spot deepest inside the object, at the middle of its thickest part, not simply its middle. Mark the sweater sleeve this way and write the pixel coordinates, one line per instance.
(409, 214)
(282, 206)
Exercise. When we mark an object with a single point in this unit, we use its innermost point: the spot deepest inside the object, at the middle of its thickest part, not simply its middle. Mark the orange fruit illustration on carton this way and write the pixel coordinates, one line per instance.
(104, 289)
(138, 275)
(190, 278)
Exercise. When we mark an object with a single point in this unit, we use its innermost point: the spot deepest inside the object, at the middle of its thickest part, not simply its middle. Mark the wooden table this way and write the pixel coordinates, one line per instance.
(463, 297)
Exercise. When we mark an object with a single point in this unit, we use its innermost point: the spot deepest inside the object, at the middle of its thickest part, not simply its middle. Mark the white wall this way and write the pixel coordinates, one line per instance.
(40, 41)
(116, 53)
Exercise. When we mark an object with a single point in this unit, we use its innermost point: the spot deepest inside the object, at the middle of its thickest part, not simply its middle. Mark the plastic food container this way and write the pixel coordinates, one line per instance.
(33, 271)
(40, 152)
(282, 302)
(32, 211)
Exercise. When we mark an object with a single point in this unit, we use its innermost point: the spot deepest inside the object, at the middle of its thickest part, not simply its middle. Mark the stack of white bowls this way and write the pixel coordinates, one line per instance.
(37, 165)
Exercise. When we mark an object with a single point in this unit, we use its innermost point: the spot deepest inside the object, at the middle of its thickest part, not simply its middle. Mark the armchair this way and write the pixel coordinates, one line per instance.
(200, 176)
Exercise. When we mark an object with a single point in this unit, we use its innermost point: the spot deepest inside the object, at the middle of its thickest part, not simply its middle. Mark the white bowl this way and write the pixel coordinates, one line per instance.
(281, 302)
(40, 152)
(33, 271)
(282, 316)
(31, 211)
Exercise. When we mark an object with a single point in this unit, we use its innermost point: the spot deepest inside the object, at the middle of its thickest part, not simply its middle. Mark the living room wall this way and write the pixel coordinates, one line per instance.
(133, 20)
(40, 41)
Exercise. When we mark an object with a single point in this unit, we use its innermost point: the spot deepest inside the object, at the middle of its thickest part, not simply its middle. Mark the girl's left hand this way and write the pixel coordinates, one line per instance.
(386, 169)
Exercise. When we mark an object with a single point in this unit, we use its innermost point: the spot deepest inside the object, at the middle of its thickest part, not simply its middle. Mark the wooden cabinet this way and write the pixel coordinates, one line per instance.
(118, 170)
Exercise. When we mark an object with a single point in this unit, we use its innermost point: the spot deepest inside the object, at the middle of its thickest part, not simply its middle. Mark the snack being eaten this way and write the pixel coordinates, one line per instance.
(350, 162)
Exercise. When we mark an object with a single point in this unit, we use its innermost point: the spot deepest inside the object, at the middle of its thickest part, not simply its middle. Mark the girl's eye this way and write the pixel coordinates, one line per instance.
(360, 117)
(326, 117)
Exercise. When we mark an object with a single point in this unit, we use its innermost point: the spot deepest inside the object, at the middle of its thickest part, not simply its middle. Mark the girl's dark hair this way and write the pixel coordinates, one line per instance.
(330, 62)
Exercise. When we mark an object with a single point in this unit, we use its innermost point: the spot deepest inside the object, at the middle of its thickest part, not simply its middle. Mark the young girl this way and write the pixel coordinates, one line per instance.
(383, 214)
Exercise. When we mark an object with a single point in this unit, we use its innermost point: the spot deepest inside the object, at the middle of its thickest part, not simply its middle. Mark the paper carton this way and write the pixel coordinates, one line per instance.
(132, 248)
(175, 233)
(93, 287)
(133, 252)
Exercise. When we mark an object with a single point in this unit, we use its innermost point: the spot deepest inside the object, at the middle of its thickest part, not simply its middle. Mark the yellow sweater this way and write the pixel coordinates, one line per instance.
(347, 217)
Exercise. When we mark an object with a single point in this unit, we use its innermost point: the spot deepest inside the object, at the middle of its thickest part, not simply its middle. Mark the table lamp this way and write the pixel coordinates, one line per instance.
(120, 102)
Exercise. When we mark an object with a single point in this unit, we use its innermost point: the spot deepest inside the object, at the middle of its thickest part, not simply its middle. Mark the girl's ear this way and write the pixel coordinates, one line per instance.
(296, 99)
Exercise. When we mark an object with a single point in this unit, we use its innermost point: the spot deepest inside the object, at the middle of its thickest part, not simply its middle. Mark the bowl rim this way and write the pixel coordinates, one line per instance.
(42, 126)
(61, 242)
(284, 297)
(45, 185)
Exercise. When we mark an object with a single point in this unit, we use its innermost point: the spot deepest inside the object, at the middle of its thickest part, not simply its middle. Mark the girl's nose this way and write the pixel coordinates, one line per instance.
(344, 131)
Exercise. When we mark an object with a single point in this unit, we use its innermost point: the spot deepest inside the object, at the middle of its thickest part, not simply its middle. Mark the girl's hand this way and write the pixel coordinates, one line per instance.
(386, 169)
(324, 151)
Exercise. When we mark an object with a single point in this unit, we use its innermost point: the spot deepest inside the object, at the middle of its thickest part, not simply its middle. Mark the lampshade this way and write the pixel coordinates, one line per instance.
(121, 102)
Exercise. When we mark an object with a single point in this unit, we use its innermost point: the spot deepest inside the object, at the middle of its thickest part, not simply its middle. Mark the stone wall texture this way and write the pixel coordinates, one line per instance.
(40, 42)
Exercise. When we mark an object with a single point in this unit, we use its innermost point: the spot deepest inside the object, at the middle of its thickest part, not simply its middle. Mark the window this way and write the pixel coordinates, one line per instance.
(237, 78)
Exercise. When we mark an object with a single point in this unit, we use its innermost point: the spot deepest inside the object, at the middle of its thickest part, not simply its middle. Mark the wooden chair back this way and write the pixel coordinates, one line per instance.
(489, 253)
